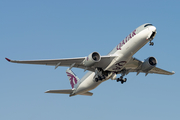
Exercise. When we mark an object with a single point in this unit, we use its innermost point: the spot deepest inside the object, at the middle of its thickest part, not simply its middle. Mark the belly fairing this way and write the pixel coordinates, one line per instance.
(87, 85)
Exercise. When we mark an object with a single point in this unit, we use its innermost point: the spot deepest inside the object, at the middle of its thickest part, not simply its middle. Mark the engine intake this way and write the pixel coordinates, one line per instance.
(148, 64)
(92, 59)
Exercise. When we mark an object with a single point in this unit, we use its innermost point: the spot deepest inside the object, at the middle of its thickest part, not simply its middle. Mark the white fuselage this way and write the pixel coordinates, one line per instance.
(123, 52)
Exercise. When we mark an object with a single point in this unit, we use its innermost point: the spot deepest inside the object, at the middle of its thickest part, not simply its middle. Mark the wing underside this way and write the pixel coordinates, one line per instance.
(76, 62)
(134, 66)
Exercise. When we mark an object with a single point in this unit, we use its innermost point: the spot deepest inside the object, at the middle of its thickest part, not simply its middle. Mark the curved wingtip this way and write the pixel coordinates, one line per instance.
(8, 59)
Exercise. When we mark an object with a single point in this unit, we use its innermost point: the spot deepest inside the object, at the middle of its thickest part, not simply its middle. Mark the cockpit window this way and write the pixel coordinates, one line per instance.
(148, 25)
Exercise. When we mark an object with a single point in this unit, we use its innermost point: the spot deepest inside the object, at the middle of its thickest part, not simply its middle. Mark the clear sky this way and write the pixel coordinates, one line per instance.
(49, 29)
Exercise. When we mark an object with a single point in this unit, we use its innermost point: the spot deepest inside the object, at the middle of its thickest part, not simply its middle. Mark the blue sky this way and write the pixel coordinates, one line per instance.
(63, 29)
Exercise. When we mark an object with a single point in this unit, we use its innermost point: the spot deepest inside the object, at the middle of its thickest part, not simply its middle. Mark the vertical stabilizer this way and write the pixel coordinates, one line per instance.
(72, 77)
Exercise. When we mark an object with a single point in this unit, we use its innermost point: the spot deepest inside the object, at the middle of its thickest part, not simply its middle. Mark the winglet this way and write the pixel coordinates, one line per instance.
(8, 59)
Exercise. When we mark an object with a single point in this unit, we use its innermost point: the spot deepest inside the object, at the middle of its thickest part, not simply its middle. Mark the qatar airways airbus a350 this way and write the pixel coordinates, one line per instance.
(101, 68)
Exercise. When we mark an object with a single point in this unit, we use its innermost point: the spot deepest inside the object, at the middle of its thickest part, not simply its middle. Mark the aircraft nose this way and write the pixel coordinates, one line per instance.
(152, 28)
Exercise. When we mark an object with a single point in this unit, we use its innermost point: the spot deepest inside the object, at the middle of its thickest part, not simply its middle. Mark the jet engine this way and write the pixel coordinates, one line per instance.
(148, 64)
(92, 59)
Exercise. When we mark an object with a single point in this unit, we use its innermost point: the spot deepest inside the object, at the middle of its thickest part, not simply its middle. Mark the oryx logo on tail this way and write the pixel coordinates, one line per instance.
(72, 77)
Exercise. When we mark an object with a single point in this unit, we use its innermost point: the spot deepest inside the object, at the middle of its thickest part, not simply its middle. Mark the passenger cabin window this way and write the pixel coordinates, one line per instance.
(148, 25)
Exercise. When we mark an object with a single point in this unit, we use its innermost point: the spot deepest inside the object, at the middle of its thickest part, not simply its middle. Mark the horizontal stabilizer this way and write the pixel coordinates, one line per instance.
(87, 94)
(67, 91)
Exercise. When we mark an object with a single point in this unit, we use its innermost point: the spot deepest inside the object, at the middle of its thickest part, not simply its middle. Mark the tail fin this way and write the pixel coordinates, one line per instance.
(72, 77)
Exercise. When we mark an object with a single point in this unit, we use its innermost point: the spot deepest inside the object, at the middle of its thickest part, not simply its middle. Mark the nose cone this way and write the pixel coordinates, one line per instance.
(152, 28)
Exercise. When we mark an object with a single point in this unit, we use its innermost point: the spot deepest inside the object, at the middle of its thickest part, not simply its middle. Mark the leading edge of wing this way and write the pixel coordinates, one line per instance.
(47, 61)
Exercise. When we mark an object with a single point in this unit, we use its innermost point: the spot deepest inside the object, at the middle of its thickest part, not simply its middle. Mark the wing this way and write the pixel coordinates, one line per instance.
(74, 62)
(135, 66)
(161, 71)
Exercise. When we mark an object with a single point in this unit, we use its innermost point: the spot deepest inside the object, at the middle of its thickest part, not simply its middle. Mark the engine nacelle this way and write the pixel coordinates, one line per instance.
(92, 59)
(148, 64)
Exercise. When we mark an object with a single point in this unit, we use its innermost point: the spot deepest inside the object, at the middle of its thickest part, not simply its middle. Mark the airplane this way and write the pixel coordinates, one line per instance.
(101, 68)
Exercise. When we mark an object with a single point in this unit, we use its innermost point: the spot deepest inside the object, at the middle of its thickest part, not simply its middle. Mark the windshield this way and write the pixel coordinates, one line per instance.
(148, 25)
